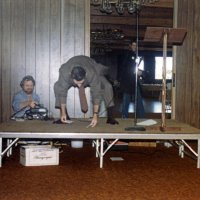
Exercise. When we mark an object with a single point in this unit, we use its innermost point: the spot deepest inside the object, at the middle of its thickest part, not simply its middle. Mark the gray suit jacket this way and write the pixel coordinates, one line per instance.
(93, 73)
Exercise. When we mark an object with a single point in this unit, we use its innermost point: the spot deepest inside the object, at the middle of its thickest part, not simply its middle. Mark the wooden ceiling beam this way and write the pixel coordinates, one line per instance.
(132, 21)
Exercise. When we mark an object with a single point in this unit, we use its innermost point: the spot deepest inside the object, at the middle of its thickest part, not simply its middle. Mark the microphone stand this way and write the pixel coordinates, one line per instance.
(135, 127)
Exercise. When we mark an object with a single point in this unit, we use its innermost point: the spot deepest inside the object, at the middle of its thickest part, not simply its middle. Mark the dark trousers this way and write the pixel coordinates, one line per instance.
(107, 92)
(126, 101)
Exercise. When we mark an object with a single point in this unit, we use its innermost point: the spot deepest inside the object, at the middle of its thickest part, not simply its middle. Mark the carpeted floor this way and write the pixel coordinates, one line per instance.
(144, 174)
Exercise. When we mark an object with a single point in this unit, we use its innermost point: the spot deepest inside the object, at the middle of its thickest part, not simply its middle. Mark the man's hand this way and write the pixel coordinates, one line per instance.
(63, 115)
(94, 121)
(63, 119)
(29, 103)
(32, 104)
(95, 116)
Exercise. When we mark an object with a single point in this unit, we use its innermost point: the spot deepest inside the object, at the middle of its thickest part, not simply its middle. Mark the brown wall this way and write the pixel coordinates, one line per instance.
(36, 37)
(188, 64)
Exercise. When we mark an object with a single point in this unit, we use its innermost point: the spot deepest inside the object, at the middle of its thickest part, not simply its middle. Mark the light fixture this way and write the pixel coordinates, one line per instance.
(106, 7)
(120, 7)
(131, 6)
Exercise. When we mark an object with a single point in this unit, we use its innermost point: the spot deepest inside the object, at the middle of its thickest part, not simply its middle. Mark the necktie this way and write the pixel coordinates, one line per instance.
(83, 100)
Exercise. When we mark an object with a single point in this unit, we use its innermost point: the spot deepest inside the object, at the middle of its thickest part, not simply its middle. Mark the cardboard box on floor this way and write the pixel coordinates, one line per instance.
(39, 155)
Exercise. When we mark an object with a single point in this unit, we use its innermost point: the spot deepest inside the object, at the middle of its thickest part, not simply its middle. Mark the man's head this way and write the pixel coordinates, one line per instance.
(132, 46)
(28, 84)
(78, 75)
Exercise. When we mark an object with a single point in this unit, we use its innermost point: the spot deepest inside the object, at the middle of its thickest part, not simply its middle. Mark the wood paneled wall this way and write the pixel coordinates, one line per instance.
(188, 64)
(36, 37)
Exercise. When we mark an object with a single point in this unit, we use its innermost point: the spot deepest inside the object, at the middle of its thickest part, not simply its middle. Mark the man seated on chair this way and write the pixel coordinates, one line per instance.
(26, 98)
(83, 71)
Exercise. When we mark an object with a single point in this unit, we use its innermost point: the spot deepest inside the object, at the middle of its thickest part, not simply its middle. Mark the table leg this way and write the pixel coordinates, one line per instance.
(1, 156)
(97, 147)
(181, 150)
(198, 155)
(9, 152)
(101, 153)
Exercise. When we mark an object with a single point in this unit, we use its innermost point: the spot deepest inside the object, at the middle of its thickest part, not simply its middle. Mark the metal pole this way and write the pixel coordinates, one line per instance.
(136, 69)
(135, 126)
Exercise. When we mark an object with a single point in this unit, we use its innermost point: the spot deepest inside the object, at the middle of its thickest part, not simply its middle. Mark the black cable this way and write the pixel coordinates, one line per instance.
(29, 114)
(13, 115)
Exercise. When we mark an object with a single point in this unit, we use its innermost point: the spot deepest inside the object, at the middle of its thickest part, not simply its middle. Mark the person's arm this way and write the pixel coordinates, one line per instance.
(28, 103)
(63, 114)
(32, 101)
(95, 89)
(20, 101)
(60, 89)
(95, 116)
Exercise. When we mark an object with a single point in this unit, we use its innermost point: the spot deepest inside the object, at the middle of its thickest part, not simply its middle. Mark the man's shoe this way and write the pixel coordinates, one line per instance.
(112, 121)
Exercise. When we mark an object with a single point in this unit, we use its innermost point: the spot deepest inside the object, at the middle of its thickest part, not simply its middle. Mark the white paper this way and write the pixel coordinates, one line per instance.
(69, 121)
(116, 158)
(147, 122)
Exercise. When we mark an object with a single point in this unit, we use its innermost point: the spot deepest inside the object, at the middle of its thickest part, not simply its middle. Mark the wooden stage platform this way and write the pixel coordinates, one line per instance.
(12, 131)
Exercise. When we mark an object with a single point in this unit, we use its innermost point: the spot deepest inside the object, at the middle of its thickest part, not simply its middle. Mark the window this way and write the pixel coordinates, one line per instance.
(159, 65)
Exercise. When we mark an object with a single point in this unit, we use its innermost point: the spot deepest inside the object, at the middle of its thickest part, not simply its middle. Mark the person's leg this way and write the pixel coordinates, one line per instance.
(110, 118)
(68, 117)
(125, 104)
(108, 98)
